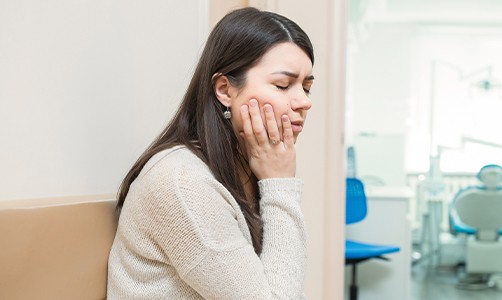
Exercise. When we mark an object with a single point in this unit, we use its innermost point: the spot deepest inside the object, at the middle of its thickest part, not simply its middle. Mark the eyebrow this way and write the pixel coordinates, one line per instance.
(293, 75)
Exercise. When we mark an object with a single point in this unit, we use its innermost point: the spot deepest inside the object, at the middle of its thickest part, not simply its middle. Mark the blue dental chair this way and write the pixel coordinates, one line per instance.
(477, 211)
(357, 252)
(491, 178)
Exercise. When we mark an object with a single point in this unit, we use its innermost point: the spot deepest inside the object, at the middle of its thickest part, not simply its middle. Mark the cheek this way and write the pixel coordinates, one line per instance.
(236, 119)
(280, 105)
(279, 102)
(280, 109)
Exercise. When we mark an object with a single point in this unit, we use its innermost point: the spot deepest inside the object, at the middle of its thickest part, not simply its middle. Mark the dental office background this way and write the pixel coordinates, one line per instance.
(424, 92)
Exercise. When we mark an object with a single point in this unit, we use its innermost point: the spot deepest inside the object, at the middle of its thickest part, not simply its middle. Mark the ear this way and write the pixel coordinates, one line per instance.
(222, 89)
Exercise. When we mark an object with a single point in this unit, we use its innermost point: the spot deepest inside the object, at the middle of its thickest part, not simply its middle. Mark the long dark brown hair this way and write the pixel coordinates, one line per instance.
(235, 45)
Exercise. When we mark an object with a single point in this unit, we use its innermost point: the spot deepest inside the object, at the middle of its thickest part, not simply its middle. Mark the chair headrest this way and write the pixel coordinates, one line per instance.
(480, 208)
(490, 176)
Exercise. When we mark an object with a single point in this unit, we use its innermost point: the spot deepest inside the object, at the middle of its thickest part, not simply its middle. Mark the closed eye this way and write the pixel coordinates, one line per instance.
(282, 88)
(307, 91)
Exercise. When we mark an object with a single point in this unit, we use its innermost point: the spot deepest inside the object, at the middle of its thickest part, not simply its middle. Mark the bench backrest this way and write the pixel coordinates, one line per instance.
(56, 248)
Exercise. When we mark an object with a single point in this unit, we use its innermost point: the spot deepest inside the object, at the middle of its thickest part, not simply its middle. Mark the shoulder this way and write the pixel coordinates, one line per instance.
(179, 173)
(172, 164)
(178, 155)
(176, 185)
(177, 180)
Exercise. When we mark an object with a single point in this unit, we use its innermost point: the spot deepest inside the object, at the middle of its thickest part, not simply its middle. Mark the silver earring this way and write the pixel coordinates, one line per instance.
(227, 114)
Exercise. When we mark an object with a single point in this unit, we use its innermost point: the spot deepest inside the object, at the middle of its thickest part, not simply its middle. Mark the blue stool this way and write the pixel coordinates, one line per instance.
(357, 252)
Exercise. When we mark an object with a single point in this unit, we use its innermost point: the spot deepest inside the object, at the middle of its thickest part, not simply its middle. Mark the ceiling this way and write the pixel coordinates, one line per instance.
(455, 12)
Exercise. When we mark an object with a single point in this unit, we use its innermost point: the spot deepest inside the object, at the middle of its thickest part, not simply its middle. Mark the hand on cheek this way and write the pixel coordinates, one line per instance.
(269, 156)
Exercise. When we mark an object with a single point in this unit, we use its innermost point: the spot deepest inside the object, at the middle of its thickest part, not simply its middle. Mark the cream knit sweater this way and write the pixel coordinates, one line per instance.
(182, 235)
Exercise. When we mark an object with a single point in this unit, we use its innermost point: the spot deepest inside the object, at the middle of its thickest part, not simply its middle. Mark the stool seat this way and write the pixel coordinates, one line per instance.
(357, 250)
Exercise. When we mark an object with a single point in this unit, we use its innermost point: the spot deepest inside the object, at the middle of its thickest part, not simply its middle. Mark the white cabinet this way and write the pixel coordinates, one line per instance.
(387, 222)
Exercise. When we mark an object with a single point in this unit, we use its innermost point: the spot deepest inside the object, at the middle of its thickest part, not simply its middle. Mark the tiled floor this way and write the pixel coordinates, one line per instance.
(438, 283)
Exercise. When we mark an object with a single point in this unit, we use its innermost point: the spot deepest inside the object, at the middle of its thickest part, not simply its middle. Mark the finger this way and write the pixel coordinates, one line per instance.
(287, 132)
(271, 122)
(257, 122)
(247, 126)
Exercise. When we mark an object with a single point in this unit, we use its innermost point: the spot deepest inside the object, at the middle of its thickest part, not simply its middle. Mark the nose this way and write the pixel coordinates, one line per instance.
(301, 101)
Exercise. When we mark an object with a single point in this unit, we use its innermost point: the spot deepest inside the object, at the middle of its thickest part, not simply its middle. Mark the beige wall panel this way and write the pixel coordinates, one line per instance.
(320, 148)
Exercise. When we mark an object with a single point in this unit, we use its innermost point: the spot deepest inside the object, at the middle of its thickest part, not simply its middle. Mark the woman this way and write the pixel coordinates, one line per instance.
(212, 209)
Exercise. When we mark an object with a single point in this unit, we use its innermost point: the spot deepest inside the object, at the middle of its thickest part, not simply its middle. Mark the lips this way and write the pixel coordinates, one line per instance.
(297, 126)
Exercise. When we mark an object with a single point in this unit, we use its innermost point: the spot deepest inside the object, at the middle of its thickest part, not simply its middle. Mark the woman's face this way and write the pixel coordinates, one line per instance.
(282, 78)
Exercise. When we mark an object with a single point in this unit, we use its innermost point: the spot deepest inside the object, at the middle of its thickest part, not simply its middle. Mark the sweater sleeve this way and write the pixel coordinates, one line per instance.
(195, 224)
(284, 242)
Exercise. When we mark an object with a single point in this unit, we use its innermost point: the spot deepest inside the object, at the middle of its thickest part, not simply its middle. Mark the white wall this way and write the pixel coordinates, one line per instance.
(379, 100)
(86, 85)
(379, 86)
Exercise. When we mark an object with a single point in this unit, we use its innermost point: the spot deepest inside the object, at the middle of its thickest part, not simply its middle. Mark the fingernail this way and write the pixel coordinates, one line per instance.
(267, 108)
(244, 108)
(284, 118)
(253, 103)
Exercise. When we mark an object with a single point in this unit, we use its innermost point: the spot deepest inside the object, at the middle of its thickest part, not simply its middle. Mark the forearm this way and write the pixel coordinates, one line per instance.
(284, 241)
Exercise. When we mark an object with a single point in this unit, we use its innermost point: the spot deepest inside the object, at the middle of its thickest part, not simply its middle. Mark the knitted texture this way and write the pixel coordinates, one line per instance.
(181, 235)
